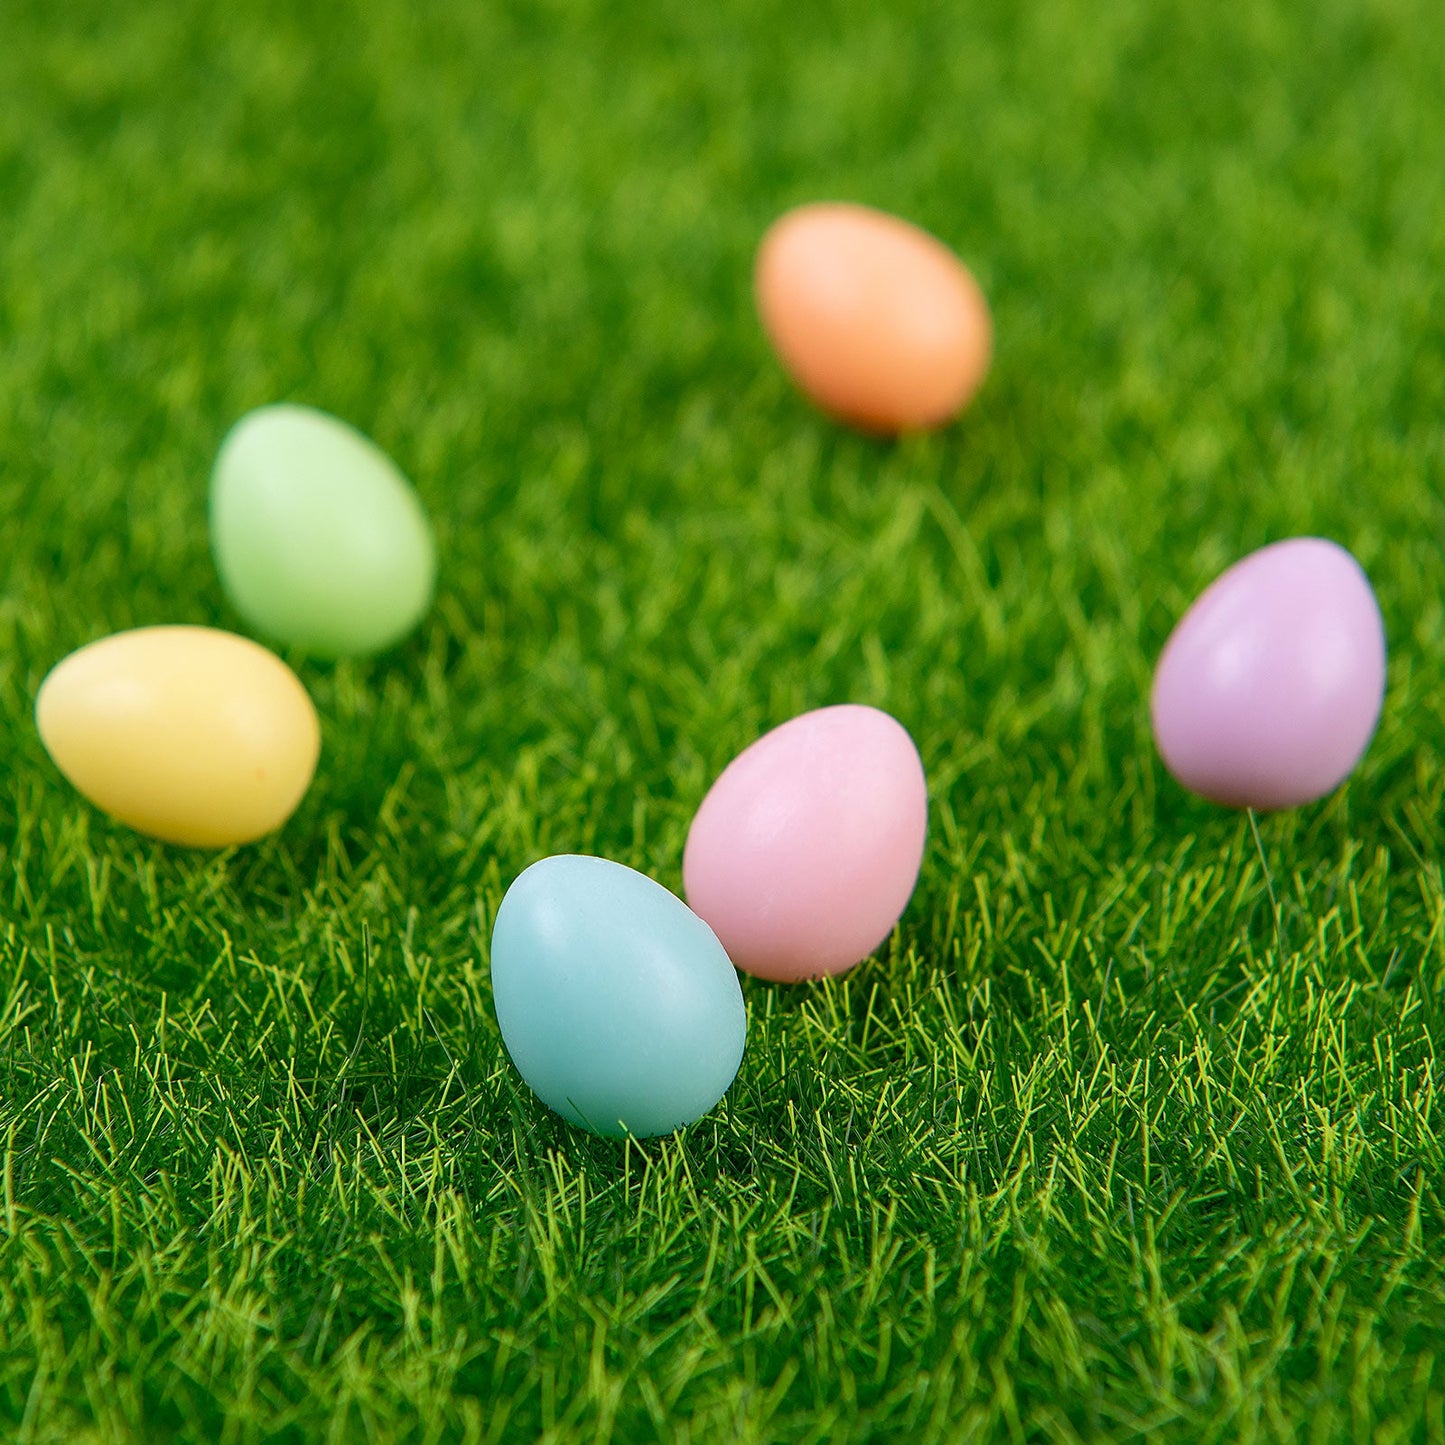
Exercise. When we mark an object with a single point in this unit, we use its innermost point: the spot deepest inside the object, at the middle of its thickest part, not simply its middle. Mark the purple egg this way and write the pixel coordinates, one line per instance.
(1268, 691)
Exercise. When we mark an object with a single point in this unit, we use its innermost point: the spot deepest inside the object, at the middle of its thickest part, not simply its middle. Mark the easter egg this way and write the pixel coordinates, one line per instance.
(186, 733)
(1268, 691)
(616, 1002)
(320, 541)
(806, 849)
(876, 320)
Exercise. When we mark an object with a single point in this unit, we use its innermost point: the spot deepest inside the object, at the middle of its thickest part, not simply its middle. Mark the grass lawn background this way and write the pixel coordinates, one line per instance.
(1099, 1147)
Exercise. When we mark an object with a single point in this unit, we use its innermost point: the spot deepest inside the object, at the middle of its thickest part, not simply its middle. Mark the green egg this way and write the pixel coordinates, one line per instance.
(320, 540)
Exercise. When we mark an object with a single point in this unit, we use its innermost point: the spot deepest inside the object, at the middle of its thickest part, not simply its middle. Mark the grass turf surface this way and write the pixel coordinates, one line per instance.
(1100, 1147)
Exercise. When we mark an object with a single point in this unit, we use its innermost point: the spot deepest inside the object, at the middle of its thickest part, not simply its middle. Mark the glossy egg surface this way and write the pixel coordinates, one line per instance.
(877, 321)
(807, 848)
(616, 1002)
(319, 539)
(185, 733)
(1269, 689)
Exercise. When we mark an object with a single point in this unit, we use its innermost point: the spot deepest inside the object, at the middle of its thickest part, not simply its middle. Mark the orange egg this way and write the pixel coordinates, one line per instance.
(878, 322)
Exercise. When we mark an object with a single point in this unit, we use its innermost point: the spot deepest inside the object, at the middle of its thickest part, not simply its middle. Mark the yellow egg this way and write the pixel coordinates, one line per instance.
(189, 734)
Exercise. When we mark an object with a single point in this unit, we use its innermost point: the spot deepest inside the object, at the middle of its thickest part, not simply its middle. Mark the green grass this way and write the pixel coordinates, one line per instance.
(1099, 1148)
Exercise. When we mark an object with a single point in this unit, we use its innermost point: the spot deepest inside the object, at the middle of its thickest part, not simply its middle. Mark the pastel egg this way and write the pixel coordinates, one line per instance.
(1268, 691)
(877, 321)
(616, 1002)
(185, 733)
(320, 541)
(807, 848)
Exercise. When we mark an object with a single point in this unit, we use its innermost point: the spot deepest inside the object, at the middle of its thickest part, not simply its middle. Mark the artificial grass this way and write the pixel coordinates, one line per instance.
(1102, 1146)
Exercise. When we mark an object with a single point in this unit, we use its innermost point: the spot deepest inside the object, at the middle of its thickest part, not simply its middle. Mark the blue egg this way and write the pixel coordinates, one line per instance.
(617, 1003)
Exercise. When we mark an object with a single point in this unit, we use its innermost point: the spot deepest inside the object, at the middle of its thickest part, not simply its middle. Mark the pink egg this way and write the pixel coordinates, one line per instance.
(1268, 691)
(806, 850)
